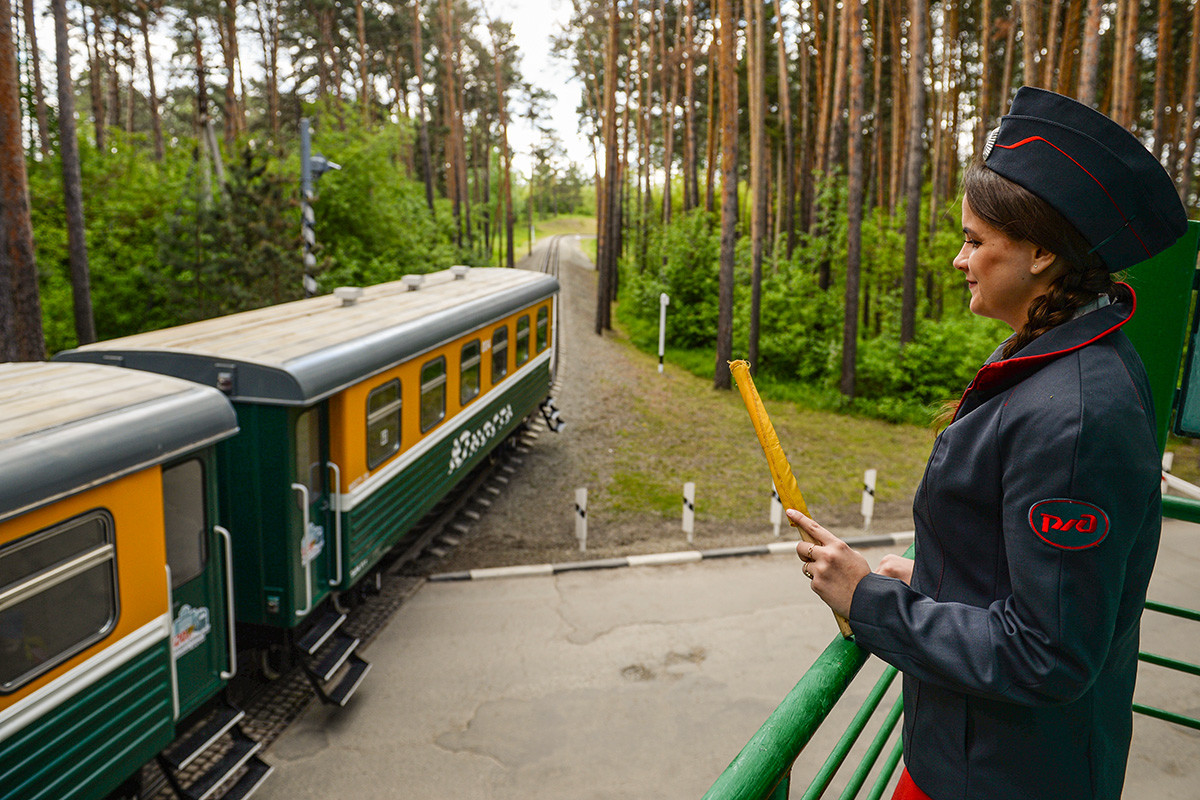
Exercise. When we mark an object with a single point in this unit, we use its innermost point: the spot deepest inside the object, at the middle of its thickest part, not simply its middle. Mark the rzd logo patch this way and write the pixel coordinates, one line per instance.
(1068, 524)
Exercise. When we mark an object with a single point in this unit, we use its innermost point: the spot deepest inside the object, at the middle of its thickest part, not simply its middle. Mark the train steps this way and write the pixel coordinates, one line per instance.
(221, 730)
(329, 659)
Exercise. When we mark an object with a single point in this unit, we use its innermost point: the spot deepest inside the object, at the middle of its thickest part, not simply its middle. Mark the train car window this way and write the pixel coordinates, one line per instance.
(468, 385)
(522, 339)
(383, 423)
(543, 328)
(58, 594)
(433, 392)
(499, 354)
(185, 520)
(308, 451)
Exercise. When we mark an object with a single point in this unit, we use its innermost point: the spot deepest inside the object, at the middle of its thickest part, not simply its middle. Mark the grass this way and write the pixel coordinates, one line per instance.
(552, 226)
(685, 430)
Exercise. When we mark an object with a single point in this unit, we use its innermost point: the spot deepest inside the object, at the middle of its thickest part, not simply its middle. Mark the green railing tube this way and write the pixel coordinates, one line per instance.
(1169, 716)
(769, 754)
(889, 769)
(1175, 611)
(872, 755)
(1169, 663)
(838, 754)
(1184, 508)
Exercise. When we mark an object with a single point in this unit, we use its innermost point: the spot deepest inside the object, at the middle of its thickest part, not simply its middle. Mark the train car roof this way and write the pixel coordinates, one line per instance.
(300, 352)
(67, 427)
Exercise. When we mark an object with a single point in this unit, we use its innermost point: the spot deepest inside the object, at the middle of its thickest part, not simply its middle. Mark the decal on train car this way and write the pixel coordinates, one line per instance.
(189, 630)
(312, 544)
(469, 442)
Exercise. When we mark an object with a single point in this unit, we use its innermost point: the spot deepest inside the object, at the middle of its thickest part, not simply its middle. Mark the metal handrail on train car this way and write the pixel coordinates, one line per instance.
(763, 768)
(304, 498)
(337, 522)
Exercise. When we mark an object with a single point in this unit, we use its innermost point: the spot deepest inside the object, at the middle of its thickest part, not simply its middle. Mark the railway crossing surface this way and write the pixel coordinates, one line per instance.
(636, 683)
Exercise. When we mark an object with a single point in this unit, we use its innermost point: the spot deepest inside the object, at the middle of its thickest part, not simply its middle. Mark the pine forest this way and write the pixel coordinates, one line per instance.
(787, 173)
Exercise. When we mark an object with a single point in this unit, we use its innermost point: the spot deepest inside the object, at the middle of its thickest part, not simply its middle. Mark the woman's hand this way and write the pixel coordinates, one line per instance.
(835, 568)
(893, 566)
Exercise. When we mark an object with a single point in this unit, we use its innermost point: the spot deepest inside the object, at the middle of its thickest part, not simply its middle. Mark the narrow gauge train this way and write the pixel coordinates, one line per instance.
(116, 625)
(358, 411)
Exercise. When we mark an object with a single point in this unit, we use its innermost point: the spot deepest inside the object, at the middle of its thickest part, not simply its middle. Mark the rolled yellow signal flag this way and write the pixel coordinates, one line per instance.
(781, 470)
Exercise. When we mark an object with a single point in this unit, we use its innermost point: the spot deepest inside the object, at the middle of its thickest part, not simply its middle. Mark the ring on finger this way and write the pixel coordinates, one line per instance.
(804, 569)
(811, 547)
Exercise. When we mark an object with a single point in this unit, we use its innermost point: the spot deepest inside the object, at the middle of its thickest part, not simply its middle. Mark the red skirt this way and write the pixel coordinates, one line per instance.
(907, 790)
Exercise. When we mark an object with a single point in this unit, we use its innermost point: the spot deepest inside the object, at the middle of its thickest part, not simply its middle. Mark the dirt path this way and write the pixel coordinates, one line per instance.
(624, 439)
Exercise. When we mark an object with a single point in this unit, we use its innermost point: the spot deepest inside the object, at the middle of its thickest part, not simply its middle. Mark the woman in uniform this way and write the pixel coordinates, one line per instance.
(1038, 518)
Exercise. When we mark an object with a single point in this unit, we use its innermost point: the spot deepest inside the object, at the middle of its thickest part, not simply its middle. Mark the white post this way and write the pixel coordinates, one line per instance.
(776, 510)
(581, 518)
(663, 302)
(689, 509)
(868, 498)
(1168, 461)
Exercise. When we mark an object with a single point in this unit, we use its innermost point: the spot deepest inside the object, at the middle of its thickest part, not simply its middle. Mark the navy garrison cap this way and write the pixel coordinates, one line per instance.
(1092, 171)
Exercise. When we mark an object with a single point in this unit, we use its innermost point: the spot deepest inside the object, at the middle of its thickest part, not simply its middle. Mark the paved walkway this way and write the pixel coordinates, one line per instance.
(641, 682)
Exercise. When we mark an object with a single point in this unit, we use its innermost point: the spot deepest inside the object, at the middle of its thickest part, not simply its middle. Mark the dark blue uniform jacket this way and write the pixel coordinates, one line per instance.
(1037, 525)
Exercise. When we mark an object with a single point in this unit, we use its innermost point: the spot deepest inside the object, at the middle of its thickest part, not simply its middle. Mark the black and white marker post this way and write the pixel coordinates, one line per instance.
(311, 168)
(663, 302)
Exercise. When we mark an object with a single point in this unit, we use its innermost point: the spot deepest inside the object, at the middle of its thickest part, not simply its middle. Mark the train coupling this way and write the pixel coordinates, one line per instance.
(550, 413)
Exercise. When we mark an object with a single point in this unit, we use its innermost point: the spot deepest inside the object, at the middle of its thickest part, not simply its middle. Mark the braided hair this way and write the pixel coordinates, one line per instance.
(1023, 216)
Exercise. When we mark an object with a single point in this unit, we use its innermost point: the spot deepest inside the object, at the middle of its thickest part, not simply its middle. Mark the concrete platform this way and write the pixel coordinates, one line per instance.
(635, 683)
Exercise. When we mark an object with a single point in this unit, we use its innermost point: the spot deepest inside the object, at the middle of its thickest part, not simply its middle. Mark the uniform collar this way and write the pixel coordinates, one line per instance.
(1054, 343)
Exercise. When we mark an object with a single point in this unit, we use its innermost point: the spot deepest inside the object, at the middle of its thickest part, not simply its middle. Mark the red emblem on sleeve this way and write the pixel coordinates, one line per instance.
(1068, 524)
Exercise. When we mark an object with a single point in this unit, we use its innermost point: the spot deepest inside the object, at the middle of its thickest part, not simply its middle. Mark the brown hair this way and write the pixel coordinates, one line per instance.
(1023, 216)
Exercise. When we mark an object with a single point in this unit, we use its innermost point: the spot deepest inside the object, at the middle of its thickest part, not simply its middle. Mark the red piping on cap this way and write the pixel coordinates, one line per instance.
(1090, 175)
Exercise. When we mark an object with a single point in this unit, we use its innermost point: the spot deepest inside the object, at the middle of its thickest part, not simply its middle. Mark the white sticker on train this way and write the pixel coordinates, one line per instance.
(469, 442)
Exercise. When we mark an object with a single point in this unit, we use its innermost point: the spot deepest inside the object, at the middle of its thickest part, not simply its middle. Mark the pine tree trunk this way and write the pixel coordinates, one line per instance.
(1089, 56)
(21, 337)
(912, 227)
(1072, 44)
(710, 140)
(854, 202)
(1190, 100)
(96, 79)
(85, 327)
(874, 155)
(787, 186)
(608, 243)
(1030, 36)
(155, 115)
(39, 90)
(1050, 61)
(1163, 48)
(364, 94)
(691, 190)
(670, 66)
(449, 119)
(984, 112)
(1010, 48)
(419, 67)
(755, 51)
(729, 198)
(899, 105)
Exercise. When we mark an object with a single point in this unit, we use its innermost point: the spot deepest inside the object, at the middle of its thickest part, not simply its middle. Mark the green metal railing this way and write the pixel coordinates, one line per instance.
(762, 769)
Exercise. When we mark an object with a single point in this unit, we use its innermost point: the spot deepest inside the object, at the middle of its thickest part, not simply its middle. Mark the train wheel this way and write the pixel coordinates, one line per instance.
(273, 661)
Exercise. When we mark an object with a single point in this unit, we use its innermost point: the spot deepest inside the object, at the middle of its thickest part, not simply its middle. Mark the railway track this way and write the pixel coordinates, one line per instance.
(271, 704)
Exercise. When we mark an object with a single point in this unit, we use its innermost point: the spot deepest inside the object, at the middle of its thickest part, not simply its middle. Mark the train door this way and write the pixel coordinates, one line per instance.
(198, 555)
(312, 503)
